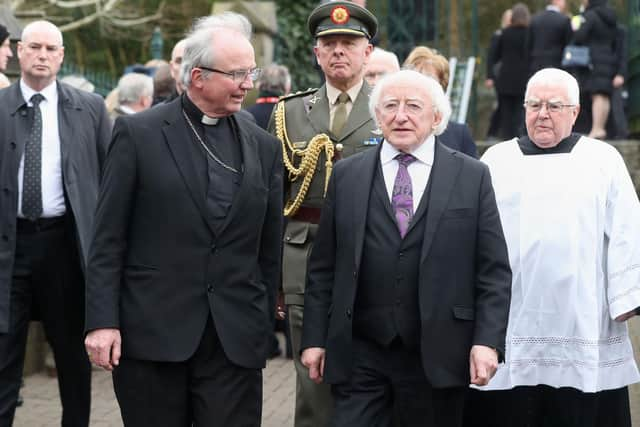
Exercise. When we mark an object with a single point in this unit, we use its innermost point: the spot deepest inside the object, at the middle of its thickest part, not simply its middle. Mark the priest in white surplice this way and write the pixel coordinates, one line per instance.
(571, 219)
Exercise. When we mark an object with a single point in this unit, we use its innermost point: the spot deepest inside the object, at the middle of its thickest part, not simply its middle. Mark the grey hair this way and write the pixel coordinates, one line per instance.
(439, 100)
(554, 76)
(387, 55)
(197, 47)
(275, 79)
(132, 86)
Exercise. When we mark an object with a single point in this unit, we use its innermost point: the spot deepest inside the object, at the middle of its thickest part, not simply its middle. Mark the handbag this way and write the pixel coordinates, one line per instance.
(576, 56)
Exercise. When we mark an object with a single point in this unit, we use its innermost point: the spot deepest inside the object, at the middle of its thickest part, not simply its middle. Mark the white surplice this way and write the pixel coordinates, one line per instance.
(572, 225)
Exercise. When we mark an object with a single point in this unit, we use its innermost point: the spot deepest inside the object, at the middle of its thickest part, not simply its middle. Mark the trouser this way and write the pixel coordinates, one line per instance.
(47, 282)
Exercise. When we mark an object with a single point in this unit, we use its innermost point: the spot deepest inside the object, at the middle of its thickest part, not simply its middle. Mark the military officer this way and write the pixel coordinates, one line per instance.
(318, 127)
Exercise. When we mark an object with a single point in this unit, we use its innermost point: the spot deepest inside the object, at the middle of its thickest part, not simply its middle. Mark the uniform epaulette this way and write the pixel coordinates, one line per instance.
(299, 93)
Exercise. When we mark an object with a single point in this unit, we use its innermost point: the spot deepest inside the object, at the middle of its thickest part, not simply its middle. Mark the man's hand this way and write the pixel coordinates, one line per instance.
(483, 363)
(313, 358)
(103, 347)
(626, 316)
(281, 309)
(618, 81)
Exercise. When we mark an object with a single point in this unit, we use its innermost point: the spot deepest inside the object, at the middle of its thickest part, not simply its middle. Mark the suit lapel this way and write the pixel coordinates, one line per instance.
(359, 114)
(363, 175)
(66, 107)
(177, 136)
(250, 161)
(319, 111)
(445, 171)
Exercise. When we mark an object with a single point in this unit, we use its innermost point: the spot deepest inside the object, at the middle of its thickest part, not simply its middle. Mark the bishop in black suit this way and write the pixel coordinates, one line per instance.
(409, 282)
(187, 248)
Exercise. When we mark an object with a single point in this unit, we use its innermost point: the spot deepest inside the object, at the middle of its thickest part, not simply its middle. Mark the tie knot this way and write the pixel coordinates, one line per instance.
(36, 99)
(405, 159)
(343, 98)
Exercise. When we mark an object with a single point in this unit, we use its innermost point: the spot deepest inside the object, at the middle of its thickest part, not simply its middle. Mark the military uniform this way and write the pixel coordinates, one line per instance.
(307, 117)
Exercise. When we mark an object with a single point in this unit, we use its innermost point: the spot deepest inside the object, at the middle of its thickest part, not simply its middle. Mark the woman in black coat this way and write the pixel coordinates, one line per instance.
(511, 83)
(598, 31)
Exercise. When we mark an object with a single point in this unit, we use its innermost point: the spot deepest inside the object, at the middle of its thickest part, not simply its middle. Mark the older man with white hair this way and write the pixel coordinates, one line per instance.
(135, 94)
(381, 62)
(186, 257)
(408, 284)
(570, 216)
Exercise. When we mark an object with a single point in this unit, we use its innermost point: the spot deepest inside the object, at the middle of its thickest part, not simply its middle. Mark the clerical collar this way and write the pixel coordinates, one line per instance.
(196, 114)
(564, 147)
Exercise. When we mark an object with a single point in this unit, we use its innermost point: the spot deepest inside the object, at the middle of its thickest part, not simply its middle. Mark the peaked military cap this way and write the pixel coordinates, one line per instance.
(342, 17)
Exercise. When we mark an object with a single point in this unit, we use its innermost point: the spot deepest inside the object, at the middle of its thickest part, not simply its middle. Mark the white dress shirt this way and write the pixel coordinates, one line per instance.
(419, 170)
(52, 190)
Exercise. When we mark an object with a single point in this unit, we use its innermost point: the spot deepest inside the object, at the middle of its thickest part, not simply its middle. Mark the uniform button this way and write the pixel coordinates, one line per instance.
(288, 238)
(210, 288)
(401, 254)
(348, 313)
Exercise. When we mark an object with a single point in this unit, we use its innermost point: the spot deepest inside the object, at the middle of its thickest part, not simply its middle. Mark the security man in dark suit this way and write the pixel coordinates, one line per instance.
(52, 145)
(318, 127)
(186, 255)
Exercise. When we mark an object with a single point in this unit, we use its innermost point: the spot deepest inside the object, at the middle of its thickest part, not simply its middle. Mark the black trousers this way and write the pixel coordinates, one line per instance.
(205, 390)
(388, 387)
(47, 283)
(544, 406)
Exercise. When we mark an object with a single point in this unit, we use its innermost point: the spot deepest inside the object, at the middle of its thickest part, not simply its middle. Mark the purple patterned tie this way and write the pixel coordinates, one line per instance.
(402, 198)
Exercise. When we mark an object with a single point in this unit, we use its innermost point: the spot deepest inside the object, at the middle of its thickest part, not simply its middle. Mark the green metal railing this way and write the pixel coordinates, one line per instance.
(102, 81)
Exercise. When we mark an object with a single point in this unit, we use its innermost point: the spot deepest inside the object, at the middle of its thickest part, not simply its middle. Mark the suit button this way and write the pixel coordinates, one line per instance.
(210, 288)
(348, 313)
(401, 254)
(13, 145)
(213, 247)
(355, 274)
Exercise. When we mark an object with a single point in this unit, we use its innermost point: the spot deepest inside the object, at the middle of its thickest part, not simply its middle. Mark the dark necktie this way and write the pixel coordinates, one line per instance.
(402, 198)
(32, 180)
(340, 114)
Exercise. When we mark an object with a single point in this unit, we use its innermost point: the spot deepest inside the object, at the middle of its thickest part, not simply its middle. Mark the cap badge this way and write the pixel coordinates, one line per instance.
(340, 15)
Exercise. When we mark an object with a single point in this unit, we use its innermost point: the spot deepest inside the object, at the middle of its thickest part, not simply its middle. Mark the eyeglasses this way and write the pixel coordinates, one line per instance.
(413, 108)
(237, 76)
(552, 107)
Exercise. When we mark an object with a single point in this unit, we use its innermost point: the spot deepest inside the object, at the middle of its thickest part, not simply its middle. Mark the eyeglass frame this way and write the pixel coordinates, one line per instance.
(550, 106)
(254, 73)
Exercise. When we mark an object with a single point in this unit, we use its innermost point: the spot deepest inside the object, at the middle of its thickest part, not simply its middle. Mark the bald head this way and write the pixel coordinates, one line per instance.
(380, 62)
(42, 27)
(40, 53)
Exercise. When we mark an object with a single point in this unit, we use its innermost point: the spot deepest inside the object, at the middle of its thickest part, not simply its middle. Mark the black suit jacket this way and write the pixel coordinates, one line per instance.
(159, 266)
(457, 137)
(85, 129)
(464, 275)
(549, 33)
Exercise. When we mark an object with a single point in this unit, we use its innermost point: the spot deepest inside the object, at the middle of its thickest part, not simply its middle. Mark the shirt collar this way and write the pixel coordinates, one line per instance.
(50, 92)
(333, 93)
(424, 153)
(553, 8)
(127, 110)
(196, 115)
